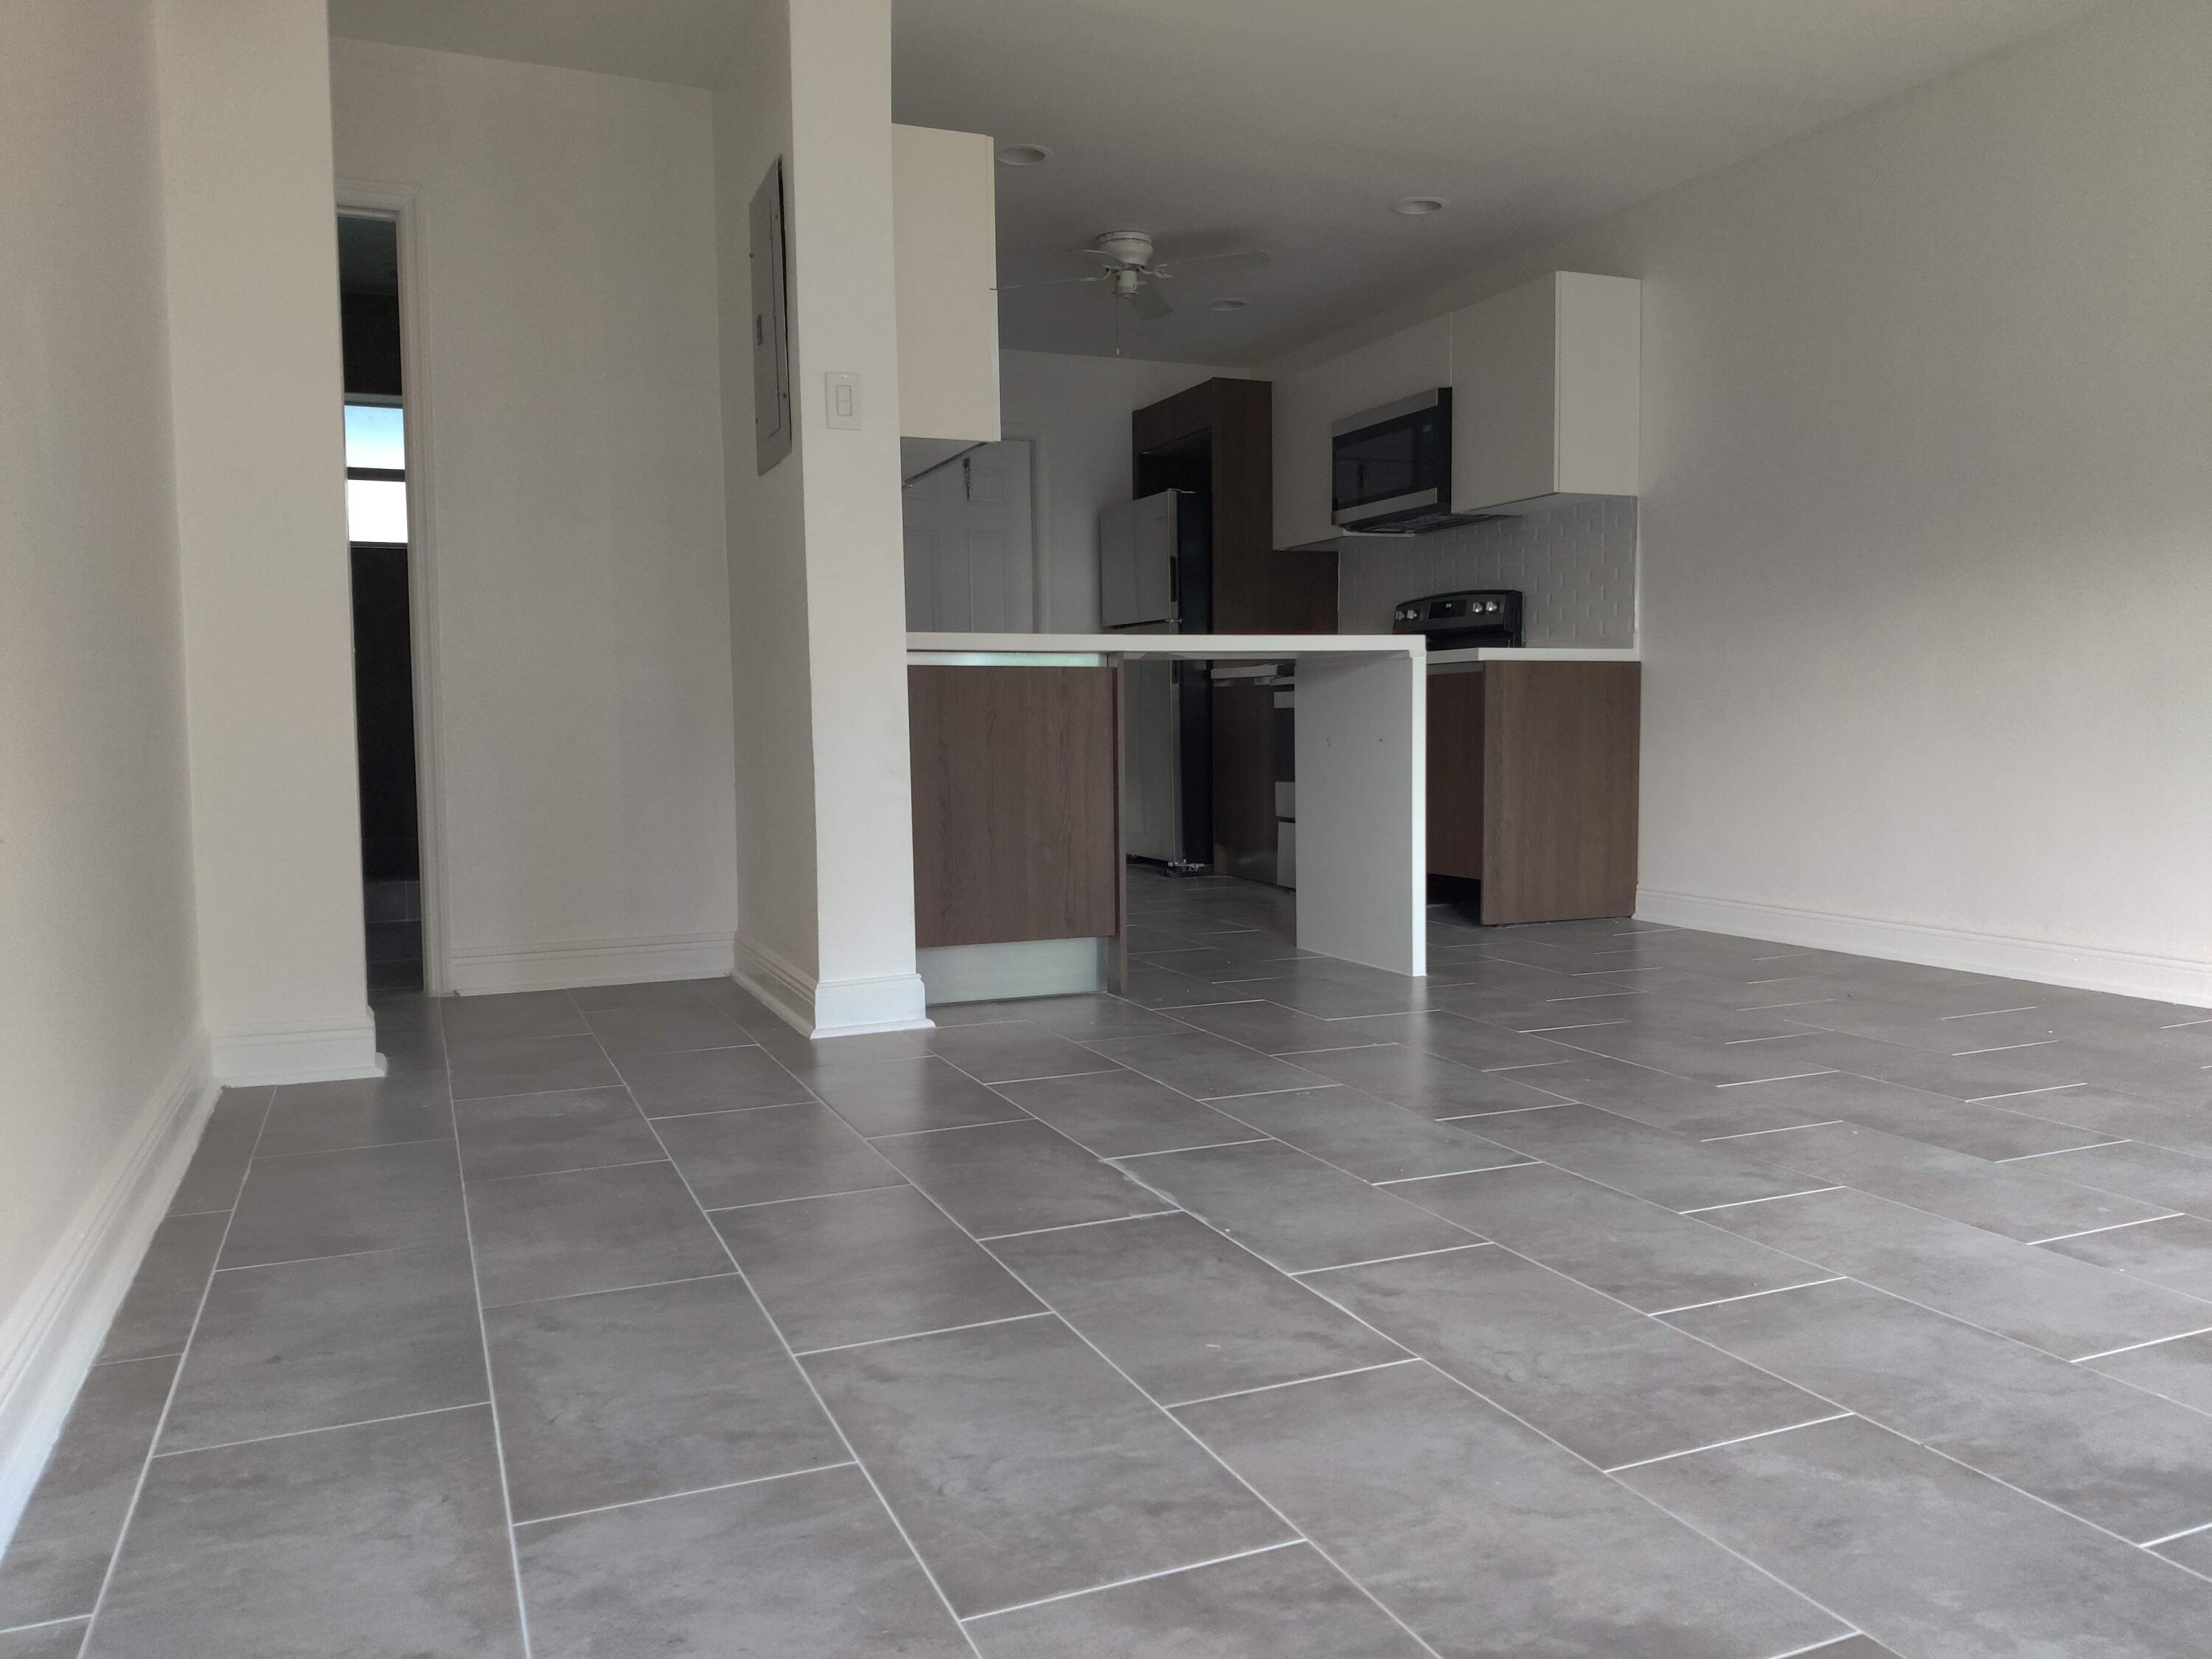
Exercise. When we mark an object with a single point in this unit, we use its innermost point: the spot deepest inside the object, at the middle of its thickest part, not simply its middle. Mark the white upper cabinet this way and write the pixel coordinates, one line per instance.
(944, 226)
(1308, 404)
(1545, 393)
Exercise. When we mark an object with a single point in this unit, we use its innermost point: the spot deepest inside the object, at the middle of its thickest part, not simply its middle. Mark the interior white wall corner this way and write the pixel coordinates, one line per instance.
(816, 566)
(256, 391)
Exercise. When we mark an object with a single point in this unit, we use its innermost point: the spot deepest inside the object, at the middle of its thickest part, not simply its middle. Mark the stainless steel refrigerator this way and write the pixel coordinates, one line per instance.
(1156, 577)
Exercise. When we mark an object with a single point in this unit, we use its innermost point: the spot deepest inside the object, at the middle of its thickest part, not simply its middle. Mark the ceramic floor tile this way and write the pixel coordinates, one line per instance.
(1609, 1383)
(380, 1111)
(1695, 1056)
(803, 1057)
(663, 1029)
(2175, 1252)
(903, 1096)
(1367, 1136)
(1008, 1050)
(1291, 1209)
(1205, 1066)
(1283, 1604)
(2180, 1369)
(1485, 1538)
(1267, 1026)
(1973, 1077)
(311, 1345)
(2118, 1116)
(217, 1168)
(1648, 1257)
(641, 1394)
(2178, 1181)
(1691, 1110)
(157, 1312)
(1022, 1465)
(511, 1014)
(377, 1198)
(1928, 1557)
(1326, 992)
(770, 1153)
(1667, 1169)
(1978, 1131)
(2010, 1198)
(539, 1135)
(1451, 1036)
(861, 1266)
(1185, 1312)
(1119, 1112)
(806, 1565)
(1016, 1177)
(1083, 1017)
(709, 1081)
(588, 1230)
(1425, 1084)
(59, 1641)
(387, 1538)
(61, 1546)
(2130, 1462)
(525, 1066)
(647, 993)
(2193, 1552)
(2048, 1300)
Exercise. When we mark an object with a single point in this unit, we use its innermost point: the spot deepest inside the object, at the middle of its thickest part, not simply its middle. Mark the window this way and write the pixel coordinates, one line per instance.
(376, 472)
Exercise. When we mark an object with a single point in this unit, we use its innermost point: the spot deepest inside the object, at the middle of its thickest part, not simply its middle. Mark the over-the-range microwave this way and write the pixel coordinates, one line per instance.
(1390, 468)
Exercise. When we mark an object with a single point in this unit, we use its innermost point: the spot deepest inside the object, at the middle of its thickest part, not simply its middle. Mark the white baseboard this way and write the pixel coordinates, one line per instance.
(249, 1054)
(2046, 961)
(570, 962)
(49, 1339)
(830, 1008)
(1029, 968)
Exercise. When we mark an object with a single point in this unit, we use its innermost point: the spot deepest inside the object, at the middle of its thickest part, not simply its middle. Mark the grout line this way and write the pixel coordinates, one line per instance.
(2002, 1048)
(1723, 1301)
(1692, 1451)
(814, 1393)
(910, 1336)
(1984, 1013)
(336, 1256)
(1044, 1077)
(1411, 1358)
(730, 1111)
(2060, 1151)
(2129, 1348)
(2047, 1089)
(1207, 1146)
(2186, 1532)
(1792, 1076)
(2145, 1221)
(1539, 1030)
(46, 1624)
(1769, 1007)
(1779, 1036)
(1377, 1260)
(324, 1428)
(1520, 1161)
(1811, 1650)
(1065, 1226)
(1772, 1198)
(946, 1128)
(1789, 1129)
(1137, 1578)
(803, 1198)
(692, 1491)
(2183, 1024)
(580, 1168)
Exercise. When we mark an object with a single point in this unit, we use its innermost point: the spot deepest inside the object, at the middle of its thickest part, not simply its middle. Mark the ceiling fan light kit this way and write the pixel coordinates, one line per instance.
(1022, 155)
(1418, 207)
(1131, 274)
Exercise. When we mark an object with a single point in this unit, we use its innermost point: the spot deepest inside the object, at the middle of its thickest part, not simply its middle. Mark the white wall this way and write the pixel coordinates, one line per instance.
(567, 253)
(1078, 408)
(1925, 593)
(99, 998)
(256, 393)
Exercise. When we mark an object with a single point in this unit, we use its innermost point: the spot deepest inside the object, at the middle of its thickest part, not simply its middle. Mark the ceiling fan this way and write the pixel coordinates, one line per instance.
(1127, 257)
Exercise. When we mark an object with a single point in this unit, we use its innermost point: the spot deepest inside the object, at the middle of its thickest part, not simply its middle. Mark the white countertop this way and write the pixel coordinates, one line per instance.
(1535, 654)
(1221, 647)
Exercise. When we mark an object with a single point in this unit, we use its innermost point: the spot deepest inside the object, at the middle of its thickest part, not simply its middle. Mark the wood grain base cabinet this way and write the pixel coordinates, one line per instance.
(1533, 787)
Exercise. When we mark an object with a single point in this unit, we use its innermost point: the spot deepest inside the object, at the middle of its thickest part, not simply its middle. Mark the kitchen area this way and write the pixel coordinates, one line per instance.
(1365, 632)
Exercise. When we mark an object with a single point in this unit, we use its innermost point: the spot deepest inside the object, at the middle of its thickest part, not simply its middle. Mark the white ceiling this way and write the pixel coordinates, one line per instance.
(1290, 124)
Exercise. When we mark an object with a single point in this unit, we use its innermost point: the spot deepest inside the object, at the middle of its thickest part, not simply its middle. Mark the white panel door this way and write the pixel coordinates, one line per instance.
(970, 552)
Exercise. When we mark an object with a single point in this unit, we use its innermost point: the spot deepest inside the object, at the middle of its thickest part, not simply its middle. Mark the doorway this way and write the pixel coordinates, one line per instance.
(970, 524)
(383, 618)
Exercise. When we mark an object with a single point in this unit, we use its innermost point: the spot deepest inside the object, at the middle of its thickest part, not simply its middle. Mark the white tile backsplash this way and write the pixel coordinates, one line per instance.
(1575, 565)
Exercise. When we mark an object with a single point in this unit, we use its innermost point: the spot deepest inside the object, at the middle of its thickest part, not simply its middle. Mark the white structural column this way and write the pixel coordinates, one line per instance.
(1363, 809)
(257, 394)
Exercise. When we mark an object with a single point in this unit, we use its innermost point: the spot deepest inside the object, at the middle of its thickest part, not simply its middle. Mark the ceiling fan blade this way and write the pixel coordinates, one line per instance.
(1218, 264)
(1051, 282)
(1150, 304)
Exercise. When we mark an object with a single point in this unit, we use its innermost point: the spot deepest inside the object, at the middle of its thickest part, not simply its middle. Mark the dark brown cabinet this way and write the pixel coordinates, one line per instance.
(1531, 786)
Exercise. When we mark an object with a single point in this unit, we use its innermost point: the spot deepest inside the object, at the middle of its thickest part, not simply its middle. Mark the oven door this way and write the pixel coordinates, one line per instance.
(1393, 463)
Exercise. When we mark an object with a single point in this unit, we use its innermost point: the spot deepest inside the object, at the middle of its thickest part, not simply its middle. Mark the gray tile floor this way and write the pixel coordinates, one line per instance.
(1619, 1292)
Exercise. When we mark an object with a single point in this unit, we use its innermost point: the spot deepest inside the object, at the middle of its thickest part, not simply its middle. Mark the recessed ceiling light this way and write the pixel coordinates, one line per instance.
(1022, 155)
(1414, 207)
(1229, 305)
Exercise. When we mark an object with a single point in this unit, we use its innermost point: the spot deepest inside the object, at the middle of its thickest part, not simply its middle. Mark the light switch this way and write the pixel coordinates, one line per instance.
(844, 401)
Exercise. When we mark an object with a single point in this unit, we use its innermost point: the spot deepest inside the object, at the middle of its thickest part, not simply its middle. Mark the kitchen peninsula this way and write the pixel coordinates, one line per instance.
(1017, 800)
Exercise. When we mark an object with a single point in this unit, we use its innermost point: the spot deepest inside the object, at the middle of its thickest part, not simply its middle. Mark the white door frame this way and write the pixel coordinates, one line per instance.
(402, 205)
(1024, 432)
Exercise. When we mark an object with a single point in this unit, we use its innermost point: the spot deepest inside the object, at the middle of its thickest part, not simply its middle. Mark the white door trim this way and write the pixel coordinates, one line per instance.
(404, 205)
(1040, 517)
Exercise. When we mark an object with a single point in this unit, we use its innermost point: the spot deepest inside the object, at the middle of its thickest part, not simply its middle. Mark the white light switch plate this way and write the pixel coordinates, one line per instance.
(843, 400)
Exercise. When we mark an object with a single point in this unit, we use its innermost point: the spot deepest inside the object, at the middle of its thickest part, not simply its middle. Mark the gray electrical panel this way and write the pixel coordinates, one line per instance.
(771, 325)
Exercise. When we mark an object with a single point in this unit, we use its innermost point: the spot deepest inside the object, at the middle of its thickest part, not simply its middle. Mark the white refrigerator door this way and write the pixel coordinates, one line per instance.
(1136, 562)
